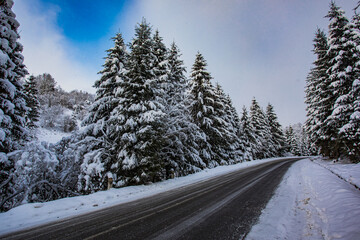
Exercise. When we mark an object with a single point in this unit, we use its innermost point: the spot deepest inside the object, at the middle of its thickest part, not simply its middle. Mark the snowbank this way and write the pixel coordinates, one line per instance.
(310, 203)
(33, 214)
(348, 172)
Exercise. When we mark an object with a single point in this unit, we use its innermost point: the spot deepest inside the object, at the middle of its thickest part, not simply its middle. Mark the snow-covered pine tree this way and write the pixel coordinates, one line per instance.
(12, 70)
(317, 93)
(231, 123)
(262, 131)
(347, 106)
(247, 136)
(355, 25)
(306, 147)
(351, 130)
(108, 84)
(139, 117)
(292, 141)
(205, 110)
(32, 102)
(341, 62)
(182, 136)
(235, 119)
(97, 144)
(160, 65)
(12, 98)
(277, 134)
(236, 123)
(162, 74)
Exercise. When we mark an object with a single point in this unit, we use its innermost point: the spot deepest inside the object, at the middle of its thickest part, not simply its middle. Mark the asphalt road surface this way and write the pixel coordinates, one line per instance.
(223, 207)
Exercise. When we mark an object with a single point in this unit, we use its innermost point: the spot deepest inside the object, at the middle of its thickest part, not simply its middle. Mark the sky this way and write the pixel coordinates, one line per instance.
(254, 48)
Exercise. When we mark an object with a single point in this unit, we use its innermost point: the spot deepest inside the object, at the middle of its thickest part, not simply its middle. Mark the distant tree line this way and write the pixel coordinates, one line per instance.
(51, 107)
(333, 86)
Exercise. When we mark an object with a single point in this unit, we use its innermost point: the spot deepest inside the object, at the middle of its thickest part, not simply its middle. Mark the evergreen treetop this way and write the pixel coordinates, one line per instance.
(139, 114)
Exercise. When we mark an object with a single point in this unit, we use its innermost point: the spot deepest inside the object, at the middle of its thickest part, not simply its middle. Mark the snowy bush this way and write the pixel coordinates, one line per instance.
(69, 166)
(32, 176)
(35, 176)
(69, 124)
(82, 158)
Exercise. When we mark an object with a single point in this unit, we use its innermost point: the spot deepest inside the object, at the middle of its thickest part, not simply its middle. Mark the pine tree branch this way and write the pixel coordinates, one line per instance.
(10, 197)
(54, 187)
(3, 184)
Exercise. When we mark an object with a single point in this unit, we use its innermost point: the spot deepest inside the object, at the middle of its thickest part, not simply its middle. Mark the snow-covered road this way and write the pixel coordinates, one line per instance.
(222, 207)
(33, 214)
(312, 203)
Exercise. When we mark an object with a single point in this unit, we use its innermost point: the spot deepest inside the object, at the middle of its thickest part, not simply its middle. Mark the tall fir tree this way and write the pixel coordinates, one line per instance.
(347, 106)
(277, 134)
(232, 146)
(160, 64)
(12, 70)
(306, 148)
(262, 131)
(178, 84)
(139, 116)
(292, 141)
(247, 136)
(240, 145)
(332, 88)
(339, 80)
(107, 86)
(205, 109)
(351, 130)
(318, 93)
(12, 98)
(183, 137)
(32, 102)
(97, 144)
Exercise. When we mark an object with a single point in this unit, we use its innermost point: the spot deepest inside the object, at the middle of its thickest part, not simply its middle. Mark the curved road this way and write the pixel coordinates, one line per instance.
(223, 207)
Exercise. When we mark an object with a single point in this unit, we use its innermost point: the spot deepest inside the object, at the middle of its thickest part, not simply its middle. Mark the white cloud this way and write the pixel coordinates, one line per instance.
(46, 49)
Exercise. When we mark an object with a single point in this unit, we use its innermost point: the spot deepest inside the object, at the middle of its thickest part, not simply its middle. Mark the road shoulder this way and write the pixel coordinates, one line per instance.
(310, 203)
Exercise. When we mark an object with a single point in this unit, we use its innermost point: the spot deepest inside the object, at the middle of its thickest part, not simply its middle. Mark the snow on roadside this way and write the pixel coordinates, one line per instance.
(310, 203)
(348, 172)
(33, 214)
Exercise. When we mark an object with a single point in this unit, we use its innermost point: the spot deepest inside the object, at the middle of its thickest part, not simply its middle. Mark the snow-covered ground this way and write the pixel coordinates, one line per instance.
(50, 136)
(313, 203)
(34, 214)
(348, 172)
